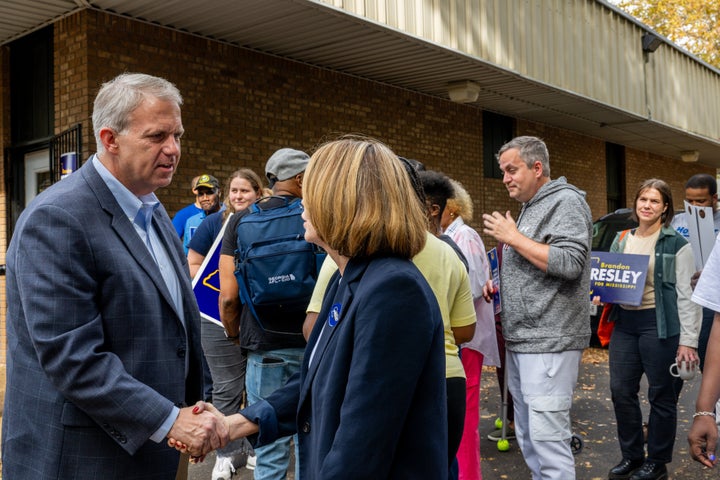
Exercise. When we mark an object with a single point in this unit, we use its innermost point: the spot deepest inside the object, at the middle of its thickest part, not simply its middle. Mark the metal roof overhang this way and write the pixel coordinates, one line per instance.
(322, 36)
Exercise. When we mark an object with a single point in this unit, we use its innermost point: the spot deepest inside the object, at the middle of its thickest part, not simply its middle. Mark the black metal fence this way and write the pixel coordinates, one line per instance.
(65, 152)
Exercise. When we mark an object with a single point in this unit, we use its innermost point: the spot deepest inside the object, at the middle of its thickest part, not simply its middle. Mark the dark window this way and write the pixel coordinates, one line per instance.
(497, 131)
(615, 175)
(31, 87)
(31, 112)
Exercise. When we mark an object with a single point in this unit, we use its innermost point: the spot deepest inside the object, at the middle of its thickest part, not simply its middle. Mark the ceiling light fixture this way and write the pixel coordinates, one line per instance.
(689, 156)
(464, 92)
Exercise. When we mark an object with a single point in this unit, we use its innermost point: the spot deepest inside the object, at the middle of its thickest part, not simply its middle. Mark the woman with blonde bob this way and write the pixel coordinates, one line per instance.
(363, 202)
(369, 401)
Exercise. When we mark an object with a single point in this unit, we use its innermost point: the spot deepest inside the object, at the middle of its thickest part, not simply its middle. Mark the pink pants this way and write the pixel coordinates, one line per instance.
(468, 454)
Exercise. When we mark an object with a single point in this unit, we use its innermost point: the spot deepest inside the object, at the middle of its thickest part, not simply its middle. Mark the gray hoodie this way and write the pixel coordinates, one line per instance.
(549, 312)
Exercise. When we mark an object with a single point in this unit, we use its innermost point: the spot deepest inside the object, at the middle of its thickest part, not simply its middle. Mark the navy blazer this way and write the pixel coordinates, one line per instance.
(372, 403)
(96, 349)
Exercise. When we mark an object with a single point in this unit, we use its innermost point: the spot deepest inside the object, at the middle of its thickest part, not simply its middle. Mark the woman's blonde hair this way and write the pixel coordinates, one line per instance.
(460, 203)
(359, 199)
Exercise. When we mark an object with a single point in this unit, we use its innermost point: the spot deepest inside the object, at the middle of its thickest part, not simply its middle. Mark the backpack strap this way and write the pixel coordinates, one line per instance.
(255, 206)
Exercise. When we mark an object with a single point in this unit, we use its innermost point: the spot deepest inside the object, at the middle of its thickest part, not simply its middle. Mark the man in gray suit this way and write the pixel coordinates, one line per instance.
(102, 326)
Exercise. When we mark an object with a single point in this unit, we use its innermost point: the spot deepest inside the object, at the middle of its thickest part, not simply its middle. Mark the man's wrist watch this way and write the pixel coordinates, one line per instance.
(231, 337)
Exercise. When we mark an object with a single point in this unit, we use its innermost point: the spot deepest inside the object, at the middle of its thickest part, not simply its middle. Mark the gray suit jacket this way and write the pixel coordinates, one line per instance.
(96, 349)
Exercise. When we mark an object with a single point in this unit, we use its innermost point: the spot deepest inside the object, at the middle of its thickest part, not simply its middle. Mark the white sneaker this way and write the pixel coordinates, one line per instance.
(251, 459)
(223, 469)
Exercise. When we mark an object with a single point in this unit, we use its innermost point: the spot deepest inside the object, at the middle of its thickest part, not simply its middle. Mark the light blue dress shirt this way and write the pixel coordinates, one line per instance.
(131, 206)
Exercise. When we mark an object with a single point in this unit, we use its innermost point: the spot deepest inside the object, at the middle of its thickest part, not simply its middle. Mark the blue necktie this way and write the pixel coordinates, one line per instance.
(144, 219)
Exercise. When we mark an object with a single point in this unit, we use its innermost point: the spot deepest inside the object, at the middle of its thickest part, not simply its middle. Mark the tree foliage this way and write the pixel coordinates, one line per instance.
(691, 24)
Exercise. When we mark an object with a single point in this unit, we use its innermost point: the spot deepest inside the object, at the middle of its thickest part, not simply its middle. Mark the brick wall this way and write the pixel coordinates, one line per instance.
(73, 93)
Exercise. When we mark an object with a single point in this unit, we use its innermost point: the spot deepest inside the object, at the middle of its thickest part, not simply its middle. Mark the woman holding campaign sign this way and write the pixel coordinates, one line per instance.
(650, 337)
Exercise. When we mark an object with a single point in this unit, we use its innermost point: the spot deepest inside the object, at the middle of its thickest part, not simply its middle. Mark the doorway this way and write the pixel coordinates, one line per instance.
(37, 173)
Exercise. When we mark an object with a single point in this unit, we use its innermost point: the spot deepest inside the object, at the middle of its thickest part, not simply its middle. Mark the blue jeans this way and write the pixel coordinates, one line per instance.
(635, 349)
(266, 372)
(227, 366)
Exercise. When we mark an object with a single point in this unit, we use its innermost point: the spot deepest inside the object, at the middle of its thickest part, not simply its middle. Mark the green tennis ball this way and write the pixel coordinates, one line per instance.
(503, 445)
(498, 423)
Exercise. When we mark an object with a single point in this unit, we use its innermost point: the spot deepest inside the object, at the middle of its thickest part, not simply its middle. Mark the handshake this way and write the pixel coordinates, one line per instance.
(200, 429)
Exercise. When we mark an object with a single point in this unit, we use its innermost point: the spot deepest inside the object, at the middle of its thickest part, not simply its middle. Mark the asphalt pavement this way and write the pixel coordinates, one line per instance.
(593, 422)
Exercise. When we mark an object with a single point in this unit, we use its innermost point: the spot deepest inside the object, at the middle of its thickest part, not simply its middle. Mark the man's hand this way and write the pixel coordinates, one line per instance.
(502, 228)
(489, 291)
(236, 426)
(703, 439)
(198, 432)
(694, 279)
(505, 230)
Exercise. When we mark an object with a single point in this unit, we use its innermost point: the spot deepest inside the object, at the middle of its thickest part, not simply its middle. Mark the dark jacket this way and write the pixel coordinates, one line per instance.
(98, 351)
(371, 404)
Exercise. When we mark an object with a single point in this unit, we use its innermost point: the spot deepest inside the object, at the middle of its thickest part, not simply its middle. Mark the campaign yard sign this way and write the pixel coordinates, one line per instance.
(495, 274)
(618, 277)
(701, 232)
(206, 284)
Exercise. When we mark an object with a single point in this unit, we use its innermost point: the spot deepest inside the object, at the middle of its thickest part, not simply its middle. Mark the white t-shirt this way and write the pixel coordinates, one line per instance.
(707, 291)
(679, 223)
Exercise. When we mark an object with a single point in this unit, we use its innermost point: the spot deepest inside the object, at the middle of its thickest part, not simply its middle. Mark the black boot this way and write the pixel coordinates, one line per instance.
(624, 469)
(651, 471)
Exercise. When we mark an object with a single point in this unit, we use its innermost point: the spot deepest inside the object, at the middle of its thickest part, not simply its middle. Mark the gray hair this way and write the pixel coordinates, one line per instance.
(531, 150)
(119, 97)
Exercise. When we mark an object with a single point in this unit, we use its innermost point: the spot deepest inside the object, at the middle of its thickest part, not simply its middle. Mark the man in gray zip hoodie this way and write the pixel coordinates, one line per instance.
(544, 287)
